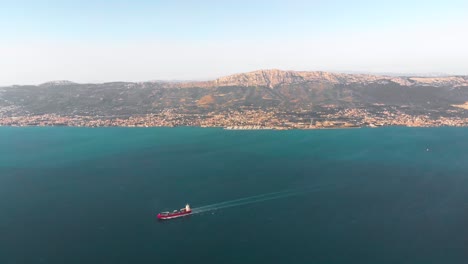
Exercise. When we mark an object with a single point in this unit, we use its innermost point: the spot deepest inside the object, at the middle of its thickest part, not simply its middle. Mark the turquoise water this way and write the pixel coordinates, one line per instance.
(90, 195)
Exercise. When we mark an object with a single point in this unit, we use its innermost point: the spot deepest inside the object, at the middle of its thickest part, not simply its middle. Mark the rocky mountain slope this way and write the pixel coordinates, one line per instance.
(274, 78)
(262, 89)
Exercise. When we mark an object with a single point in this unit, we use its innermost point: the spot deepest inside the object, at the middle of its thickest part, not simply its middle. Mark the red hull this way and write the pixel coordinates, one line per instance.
(173, 215)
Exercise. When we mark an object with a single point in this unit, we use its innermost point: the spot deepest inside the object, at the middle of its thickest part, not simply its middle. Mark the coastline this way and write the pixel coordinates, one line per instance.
(234, 129)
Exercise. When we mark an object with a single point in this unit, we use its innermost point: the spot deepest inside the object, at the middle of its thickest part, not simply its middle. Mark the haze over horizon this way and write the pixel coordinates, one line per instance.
(195, 80)
(103, 41)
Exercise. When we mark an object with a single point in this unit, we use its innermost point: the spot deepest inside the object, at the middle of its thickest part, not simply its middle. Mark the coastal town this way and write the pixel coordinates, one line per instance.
(263, 99)
(251, 118)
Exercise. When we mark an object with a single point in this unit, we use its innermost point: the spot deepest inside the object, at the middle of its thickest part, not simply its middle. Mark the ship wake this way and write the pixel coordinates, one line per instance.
(257, 199)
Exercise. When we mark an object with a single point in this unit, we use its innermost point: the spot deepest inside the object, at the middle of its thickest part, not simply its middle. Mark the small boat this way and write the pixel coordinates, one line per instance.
(175, 214)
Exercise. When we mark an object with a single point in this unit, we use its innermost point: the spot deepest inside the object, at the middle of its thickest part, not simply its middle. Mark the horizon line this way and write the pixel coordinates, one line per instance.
(349, 72)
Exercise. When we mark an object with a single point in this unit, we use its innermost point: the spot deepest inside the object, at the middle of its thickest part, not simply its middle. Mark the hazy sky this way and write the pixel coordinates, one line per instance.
(96, 41)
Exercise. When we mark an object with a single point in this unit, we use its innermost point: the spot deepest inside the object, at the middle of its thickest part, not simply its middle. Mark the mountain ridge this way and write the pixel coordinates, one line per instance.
(273, 77)
(262, 89)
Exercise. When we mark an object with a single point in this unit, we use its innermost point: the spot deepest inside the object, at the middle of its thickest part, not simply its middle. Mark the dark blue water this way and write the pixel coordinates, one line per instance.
(82, 195)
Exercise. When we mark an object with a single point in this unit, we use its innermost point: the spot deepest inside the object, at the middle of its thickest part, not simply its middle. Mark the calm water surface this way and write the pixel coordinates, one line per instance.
(90, 195)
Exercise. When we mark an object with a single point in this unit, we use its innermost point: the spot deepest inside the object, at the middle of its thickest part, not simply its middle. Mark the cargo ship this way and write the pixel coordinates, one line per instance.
(176, 213)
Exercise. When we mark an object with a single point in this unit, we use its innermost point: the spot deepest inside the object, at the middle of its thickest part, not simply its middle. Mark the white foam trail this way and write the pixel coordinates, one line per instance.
(216, 205)
(254, 199)
(244, 202)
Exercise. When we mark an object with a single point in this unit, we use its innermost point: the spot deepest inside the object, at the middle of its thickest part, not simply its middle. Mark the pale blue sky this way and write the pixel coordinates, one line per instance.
(96, 41)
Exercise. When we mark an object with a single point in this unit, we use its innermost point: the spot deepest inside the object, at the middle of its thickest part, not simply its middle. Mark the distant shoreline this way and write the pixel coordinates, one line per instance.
(224, 128)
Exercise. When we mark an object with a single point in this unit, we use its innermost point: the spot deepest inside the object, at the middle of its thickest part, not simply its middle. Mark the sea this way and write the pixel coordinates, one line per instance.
(91, 195)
